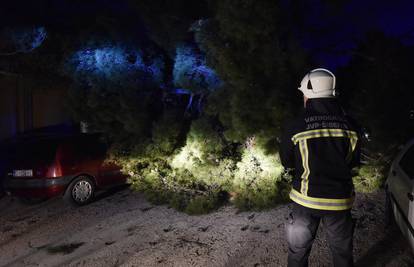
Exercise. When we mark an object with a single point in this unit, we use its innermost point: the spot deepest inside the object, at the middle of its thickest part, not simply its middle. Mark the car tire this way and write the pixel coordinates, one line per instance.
(80, 191)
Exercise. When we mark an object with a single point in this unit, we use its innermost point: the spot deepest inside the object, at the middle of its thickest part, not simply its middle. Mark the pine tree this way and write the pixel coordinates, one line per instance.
(376, 87)
(253, 49)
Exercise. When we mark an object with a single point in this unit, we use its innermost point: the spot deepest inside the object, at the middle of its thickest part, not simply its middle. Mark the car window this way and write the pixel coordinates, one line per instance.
(92, 147)
(39, 149)
(407, 162)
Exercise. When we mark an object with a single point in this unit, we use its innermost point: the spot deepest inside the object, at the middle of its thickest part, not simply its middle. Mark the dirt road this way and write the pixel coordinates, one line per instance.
(123, 229)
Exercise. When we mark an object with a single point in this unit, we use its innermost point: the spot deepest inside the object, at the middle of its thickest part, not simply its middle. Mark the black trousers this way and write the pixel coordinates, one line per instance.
(301, 230)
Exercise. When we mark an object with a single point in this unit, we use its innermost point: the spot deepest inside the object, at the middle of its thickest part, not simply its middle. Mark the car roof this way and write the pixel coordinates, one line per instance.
(40, 138)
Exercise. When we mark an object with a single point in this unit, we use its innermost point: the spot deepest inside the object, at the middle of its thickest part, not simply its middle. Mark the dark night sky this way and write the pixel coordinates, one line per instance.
(346, 27)
(330, 33)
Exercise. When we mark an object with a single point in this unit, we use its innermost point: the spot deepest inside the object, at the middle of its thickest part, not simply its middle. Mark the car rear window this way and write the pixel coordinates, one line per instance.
(407, 162)
(33, 150)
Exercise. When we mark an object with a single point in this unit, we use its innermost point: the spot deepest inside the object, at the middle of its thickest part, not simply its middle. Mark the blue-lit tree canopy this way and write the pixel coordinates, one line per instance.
(191, 71)
(114, 63)
(115, 89)
(24, 39)
(192, 76)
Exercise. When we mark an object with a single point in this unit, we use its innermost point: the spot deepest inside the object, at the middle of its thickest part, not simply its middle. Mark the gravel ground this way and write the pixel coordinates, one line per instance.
(123, 229)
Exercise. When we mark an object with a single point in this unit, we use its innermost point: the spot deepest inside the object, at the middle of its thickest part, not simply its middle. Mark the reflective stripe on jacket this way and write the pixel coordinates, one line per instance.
(322, 146)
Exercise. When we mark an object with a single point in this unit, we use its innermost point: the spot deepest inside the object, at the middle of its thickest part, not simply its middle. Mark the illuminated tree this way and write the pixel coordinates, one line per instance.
(252, 48)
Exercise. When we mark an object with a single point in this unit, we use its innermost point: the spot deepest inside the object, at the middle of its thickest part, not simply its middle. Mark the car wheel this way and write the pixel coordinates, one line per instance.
(80, 192)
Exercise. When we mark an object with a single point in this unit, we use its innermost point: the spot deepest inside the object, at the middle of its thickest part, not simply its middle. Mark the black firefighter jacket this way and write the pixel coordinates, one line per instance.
(322, 146)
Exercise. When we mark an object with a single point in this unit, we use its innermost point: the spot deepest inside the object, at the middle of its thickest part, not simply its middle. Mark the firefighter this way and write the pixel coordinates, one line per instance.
(321, 146)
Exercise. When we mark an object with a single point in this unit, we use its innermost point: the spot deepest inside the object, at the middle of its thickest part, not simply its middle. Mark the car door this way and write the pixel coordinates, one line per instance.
(108, 173)
(401, 185)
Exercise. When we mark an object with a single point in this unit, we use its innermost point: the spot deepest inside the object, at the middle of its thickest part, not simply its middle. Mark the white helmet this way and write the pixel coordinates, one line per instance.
(318, 83)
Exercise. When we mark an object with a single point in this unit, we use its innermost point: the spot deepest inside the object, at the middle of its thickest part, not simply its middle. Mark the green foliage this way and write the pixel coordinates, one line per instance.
(166, 133)
(370, 178)
(263, 194)
(252, 48)
(204, 204)
(200, 176)
(204, 145)
(371, 175)
(258, 182)
(179, 189)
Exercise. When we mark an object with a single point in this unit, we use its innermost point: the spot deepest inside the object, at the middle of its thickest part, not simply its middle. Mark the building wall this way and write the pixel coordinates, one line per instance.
(48, 107)
(8, 109)
(24, 107)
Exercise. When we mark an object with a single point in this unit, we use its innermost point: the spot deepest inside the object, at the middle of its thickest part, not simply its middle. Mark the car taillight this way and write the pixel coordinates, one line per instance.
(54, 170)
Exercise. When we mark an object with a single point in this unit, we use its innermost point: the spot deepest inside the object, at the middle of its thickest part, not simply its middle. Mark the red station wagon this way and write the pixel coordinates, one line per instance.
(73, 166)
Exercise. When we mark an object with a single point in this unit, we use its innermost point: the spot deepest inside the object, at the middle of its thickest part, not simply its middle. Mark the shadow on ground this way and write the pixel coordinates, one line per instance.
(110, 192)
(383, 252)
